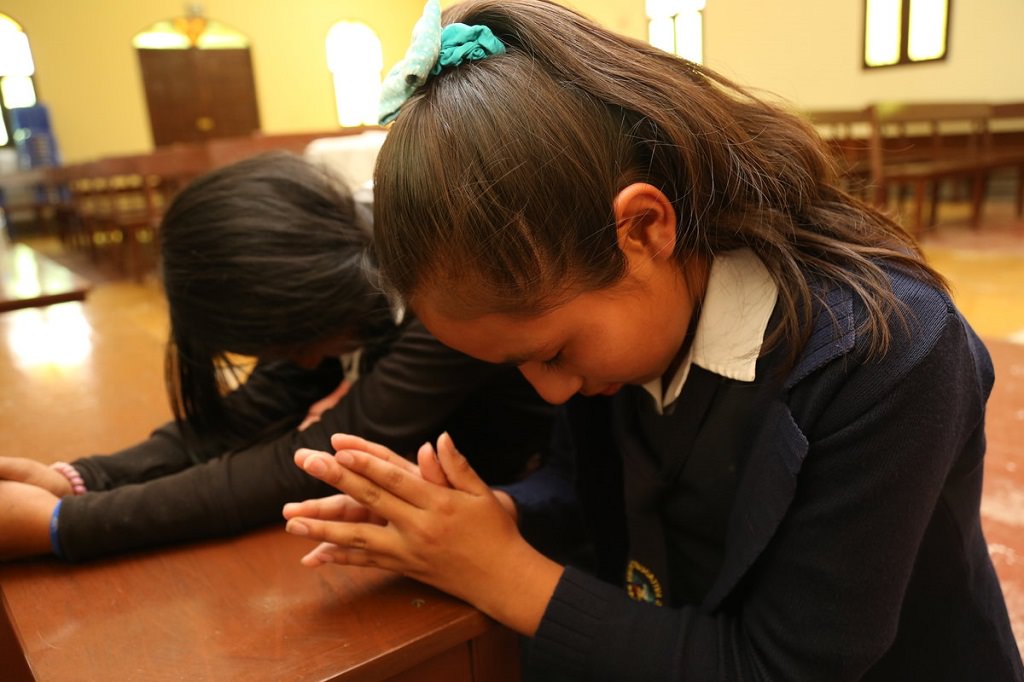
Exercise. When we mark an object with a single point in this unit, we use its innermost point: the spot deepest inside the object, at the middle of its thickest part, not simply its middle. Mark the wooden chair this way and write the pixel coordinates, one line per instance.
(1007, 142)
(921, 146)
(65, 216)
(138, 189)
(26, 192)
(165, 172)
(126, 193)
(848, 134)
(87, 205)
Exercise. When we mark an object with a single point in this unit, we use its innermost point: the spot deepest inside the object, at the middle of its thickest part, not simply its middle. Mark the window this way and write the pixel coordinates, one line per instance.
(16, 70)
(355, 60)
(905, 31)
(677, 26)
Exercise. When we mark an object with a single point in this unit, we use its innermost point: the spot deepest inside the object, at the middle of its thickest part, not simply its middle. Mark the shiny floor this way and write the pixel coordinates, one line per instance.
(81, 378)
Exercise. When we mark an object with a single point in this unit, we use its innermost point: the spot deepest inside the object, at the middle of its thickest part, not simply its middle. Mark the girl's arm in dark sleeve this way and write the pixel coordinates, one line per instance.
(547, 510)
(275, 391)
(402, 402)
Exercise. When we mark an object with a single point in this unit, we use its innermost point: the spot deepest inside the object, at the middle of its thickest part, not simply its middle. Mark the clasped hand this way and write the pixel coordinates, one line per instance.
(437, 522)
(29, 491)
(31, 472)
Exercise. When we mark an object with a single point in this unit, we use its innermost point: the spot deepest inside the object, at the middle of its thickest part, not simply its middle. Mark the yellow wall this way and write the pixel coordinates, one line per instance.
(88, 74)
(809, 51)
(805, 50)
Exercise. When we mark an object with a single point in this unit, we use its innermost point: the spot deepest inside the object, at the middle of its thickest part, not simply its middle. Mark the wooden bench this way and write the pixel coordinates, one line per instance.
(113, 206)
(1007, 135)
(887, 147)
(924, 145)
(848, 134)
(130, 194)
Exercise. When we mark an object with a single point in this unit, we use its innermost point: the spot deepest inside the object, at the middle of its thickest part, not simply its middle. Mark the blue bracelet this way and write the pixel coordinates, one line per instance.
(54, 537)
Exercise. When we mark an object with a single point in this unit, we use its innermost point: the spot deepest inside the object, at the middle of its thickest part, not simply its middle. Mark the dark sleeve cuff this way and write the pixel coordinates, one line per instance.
(592, 630)
(161, 454)
(566, 634)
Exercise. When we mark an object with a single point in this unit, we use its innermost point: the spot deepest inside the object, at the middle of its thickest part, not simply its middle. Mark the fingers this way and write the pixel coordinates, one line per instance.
(333, 508)
(346, 543)
(430, 466)
(302, 453)
(14, 468)
(327, 402)
(318, 464)
(341, 391)
(382, 487)
(322, 554)
(329, 553)
(346, 441)
(457, 469)
(37, 474)
(309, 421)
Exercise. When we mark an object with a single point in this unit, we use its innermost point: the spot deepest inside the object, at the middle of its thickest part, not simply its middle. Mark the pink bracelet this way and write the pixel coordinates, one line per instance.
(70, 473)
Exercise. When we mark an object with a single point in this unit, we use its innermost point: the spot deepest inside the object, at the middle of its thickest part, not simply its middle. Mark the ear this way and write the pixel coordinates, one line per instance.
(645, 221)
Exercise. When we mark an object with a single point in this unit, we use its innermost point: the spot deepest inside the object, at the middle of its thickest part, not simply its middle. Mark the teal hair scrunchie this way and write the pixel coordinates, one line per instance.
(431, 51)
(413, 70)
(461, 43)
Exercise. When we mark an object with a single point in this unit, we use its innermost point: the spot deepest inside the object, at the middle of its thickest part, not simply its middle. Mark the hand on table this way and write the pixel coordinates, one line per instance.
(438, 523)
(31, 472)
(25, 512)
(324, 404)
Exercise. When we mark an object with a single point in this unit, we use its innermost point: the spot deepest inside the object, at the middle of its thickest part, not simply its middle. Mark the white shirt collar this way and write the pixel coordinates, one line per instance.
(738, 302)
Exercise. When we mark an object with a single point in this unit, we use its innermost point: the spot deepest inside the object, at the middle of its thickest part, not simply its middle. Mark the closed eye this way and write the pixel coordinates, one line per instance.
(553, 362)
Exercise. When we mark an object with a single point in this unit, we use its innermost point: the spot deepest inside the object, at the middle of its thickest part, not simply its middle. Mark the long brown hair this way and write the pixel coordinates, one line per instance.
(496, 181)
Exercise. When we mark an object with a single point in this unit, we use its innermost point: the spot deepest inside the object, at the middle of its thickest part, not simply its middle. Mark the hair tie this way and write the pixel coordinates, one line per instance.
(462, 43)
(431, 51)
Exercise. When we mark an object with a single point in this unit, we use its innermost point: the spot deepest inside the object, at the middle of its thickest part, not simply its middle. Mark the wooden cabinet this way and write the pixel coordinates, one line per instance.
(195, 95)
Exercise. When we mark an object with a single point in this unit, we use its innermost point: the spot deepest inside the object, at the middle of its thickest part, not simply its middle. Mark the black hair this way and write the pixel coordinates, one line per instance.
(267, 254)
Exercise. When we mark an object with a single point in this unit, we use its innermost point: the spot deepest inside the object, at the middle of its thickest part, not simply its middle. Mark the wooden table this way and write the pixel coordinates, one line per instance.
(239, 609)
(86, 377)
(29, 279)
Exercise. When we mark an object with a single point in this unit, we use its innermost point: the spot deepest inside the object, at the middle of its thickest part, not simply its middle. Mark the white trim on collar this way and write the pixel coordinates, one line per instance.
(738, 302)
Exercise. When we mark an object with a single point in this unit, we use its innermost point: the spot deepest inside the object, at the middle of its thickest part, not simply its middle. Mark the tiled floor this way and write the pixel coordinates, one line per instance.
(63, 408)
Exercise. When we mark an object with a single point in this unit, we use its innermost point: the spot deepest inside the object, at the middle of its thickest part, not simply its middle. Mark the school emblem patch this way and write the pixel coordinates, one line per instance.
(641, 584)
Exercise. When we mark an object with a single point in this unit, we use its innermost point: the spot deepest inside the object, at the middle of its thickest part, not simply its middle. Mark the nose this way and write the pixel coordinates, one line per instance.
(553, 386)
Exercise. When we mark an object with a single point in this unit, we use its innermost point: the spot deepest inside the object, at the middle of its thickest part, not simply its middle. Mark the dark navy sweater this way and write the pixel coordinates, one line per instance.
(852, 548)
